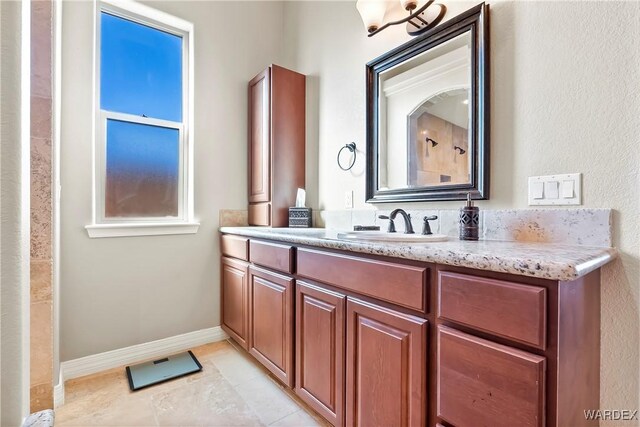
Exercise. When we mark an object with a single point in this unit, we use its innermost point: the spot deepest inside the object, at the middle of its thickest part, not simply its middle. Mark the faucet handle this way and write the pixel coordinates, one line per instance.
(426, 228)
(392, 226)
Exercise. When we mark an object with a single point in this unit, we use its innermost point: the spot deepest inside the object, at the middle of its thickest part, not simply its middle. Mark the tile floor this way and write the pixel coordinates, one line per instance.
(231, 390)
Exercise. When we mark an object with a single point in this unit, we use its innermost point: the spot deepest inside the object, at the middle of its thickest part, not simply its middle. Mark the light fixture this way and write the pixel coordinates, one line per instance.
(372, 13)
(421, 17)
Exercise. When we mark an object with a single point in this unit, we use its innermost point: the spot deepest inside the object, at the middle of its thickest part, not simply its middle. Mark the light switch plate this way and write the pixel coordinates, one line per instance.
(557, 190)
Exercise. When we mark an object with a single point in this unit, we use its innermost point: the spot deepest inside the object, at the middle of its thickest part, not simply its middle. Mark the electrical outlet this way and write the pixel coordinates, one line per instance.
(348, 199)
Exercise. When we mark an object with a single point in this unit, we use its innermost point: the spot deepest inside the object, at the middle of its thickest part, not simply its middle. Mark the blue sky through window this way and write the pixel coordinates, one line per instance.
(140, 69)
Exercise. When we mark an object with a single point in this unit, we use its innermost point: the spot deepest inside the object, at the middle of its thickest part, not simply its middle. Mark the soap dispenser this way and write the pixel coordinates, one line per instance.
(469, 221)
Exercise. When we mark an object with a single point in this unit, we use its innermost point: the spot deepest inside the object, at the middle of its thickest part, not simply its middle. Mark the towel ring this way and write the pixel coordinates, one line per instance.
(352, 149)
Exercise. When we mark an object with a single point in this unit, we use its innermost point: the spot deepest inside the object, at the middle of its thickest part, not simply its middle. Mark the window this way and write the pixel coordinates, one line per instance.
(143, 165)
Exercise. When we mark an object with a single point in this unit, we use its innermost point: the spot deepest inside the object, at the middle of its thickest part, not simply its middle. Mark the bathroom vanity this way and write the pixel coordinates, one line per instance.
(452, 333)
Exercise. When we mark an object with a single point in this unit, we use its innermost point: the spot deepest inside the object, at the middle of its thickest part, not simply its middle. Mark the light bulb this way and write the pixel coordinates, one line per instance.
(372, 13)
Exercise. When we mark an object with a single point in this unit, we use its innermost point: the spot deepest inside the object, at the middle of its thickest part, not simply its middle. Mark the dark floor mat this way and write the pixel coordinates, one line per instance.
(161, 370)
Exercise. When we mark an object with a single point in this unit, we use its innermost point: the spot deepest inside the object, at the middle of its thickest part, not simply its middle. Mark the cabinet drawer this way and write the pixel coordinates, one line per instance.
(481, 383)
(272, 255)
(509, 310)
(235, 246)
(399, 284)
(260, 214)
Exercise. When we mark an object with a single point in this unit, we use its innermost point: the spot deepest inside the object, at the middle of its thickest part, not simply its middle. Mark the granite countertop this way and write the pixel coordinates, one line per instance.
(543, 260)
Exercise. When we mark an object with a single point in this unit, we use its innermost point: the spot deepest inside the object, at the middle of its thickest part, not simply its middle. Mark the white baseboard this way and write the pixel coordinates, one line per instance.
(58, 391)
(136, 353)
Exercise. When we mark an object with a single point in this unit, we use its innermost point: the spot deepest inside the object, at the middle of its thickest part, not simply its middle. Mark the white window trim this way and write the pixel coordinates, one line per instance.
(141, 229)
(185, 223)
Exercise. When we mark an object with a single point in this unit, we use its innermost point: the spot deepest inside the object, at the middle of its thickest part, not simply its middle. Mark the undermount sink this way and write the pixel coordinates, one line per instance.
(392, 237)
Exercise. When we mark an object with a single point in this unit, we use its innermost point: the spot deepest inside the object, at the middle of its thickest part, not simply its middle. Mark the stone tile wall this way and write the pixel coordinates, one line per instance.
(41, 206)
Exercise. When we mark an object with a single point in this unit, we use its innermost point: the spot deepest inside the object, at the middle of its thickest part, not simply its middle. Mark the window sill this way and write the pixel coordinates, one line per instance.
(97, 231)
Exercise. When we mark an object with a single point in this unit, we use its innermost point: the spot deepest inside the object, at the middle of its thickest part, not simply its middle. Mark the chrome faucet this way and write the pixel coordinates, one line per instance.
(408, 227)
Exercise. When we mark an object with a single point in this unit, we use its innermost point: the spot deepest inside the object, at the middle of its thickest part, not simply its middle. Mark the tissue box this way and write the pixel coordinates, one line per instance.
(300, 218)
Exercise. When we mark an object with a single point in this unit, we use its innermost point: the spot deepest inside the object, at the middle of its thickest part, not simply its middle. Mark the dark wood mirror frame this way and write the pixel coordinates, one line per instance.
(475, 21)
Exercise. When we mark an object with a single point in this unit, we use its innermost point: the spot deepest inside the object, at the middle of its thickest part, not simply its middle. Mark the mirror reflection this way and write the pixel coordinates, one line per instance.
(424, 117)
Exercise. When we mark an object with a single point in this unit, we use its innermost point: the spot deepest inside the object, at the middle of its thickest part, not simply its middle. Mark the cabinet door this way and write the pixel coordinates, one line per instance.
(271, 322)
(235, 299)
(481, 383)
(386, 367)
(320, 350)
(259, 138)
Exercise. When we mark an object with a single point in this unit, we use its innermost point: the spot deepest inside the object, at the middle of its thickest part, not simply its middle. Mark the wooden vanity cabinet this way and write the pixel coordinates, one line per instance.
(514, 350)
(320, 344)
(381, 342)
(276, 144)
(386, 367)
(259, 137)
(257, 303)
(271, 321)
(381, 378)
(482, 383)
(235, 299)
(385, 359)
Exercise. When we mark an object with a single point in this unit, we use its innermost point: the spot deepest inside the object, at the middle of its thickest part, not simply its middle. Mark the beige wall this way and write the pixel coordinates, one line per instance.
(564, 98)
(118, 292)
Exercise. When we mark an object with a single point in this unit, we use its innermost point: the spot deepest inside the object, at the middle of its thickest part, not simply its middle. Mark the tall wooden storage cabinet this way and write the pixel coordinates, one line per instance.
(276, 144)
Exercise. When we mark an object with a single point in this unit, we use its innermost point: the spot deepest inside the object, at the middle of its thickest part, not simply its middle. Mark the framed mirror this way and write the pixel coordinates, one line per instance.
(428, 115)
